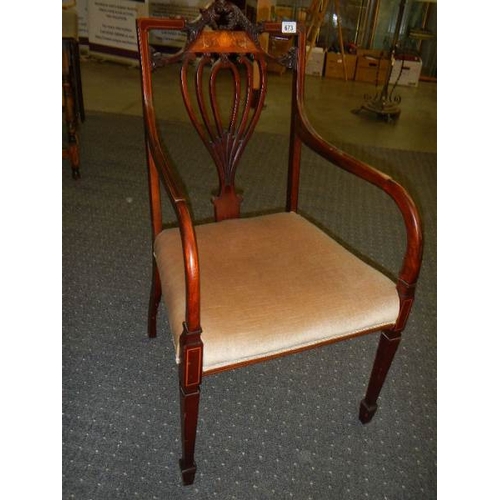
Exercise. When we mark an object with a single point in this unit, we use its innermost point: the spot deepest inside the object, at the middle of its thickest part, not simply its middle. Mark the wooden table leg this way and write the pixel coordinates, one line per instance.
(72, 149)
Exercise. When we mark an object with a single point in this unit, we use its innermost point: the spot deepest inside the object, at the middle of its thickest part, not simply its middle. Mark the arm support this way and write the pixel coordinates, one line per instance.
(162, 169)
(186, 227)
(414, 240)
(303, 132)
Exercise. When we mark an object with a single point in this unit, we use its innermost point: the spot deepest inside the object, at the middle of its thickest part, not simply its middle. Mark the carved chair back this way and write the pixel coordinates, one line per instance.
(222, 46)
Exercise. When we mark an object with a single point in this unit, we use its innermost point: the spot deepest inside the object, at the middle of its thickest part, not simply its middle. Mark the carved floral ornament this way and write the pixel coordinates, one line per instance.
(239, 35)
(223, 15)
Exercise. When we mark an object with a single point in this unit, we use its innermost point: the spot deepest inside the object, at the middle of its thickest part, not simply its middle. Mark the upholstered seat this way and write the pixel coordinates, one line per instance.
(272, 284)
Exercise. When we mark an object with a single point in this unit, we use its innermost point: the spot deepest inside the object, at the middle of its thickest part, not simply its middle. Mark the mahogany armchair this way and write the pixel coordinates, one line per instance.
(240, 290)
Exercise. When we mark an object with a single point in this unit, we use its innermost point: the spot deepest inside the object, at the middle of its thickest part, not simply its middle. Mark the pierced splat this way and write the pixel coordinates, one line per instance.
(222, 48)
(224, 125)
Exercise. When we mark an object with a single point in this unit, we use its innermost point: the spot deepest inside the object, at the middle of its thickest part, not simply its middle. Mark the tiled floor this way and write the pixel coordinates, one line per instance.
(115, 88)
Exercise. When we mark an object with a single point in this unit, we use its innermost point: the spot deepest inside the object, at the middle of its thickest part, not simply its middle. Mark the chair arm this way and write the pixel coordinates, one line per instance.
(410, 268)
(186, 227)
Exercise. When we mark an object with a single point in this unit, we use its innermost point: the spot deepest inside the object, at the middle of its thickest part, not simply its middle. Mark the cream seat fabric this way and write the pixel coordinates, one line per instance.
(277, 270)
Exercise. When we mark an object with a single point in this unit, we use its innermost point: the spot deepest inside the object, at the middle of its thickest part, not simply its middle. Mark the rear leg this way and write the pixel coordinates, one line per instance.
(154, 301)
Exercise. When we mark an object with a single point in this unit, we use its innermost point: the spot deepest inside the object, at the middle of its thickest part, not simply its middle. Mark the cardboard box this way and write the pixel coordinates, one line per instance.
(278, 46)
(372, 53)
(290, 13)
(335, 69)
(316, 61)
(283, 12)
(369, 75)
(259, 10)
(409, 75)
(372, 66)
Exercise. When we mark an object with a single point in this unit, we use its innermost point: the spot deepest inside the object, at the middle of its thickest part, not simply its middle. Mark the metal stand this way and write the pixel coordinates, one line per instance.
(383, 104)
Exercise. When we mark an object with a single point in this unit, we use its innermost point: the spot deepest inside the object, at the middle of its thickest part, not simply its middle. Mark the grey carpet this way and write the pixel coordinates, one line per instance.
(283, 429)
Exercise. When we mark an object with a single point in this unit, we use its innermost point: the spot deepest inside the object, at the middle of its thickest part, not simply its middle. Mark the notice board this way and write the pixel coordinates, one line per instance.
(111, 27)
(187, 9)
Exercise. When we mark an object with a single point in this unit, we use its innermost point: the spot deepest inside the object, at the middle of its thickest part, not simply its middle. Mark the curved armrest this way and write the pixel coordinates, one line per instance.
(410, 268)
(186, 227)
(302, 130)
(165, 173)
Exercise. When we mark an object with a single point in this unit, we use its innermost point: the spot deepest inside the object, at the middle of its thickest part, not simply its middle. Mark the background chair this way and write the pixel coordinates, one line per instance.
(245, 289)
(74, 112)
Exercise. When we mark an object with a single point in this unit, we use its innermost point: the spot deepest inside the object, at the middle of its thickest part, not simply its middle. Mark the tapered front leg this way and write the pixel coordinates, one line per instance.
(388, 345)
(190, 373)
(154, 301)
(189, 421)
